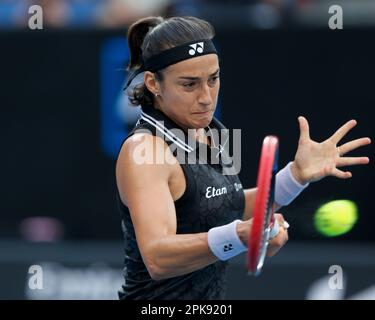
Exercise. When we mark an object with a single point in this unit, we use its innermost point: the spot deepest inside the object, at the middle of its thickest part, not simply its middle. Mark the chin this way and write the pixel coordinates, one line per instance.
(203, 122)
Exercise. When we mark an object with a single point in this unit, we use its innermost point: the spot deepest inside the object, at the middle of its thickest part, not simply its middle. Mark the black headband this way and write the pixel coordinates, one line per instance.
(179, 53)
(173, 55)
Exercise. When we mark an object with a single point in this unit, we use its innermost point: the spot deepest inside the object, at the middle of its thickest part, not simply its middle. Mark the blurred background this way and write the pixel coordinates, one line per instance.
(63, 116)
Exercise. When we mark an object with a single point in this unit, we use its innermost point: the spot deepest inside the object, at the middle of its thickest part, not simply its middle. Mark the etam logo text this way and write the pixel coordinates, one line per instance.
(196, 47)
(212, 192)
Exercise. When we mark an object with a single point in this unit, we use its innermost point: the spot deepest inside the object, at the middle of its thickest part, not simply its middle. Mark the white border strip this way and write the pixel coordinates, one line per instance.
(174, 139)
(156, 123)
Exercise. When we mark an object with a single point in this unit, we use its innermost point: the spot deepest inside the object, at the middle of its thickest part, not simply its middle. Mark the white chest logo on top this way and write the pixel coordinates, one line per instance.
(213, 192)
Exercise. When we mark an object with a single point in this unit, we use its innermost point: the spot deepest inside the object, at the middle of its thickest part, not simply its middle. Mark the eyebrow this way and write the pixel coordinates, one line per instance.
(198, 78)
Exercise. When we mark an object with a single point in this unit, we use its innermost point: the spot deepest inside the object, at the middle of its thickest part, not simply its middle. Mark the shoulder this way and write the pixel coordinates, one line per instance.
(146, 153)
(144, 162)
(151, 147)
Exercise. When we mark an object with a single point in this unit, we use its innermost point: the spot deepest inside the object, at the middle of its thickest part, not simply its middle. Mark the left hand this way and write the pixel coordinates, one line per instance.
(276, 243)
(314, 161)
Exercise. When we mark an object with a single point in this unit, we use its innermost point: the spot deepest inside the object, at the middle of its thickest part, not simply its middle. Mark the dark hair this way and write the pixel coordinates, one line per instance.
(152, 35)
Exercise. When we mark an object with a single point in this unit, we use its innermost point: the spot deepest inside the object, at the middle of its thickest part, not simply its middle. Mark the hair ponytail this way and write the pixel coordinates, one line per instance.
(136, 35)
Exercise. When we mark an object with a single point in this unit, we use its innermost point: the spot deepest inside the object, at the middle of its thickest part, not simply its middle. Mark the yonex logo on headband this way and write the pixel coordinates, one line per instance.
(197, 47)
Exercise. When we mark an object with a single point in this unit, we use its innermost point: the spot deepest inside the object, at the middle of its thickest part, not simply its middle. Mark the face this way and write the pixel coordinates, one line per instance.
(189, 90)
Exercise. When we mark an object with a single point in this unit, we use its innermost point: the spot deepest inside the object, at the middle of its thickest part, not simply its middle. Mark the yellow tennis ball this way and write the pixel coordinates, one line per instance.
(336, 217)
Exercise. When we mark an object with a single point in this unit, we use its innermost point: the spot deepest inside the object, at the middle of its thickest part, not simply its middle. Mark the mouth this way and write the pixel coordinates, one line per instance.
(202, 112)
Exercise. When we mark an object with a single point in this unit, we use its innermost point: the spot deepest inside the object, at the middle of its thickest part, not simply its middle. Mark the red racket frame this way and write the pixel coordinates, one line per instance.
(263, 206)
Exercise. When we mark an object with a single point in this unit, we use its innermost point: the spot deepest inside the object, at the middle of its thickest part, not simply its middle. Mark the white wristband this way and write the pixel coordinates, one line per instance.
(224, 241)
(287, 188)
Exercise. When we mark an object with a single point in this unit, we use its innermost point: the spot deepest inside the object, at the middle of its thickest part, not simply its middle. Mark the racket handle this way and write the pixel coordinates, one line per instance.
(276, 228)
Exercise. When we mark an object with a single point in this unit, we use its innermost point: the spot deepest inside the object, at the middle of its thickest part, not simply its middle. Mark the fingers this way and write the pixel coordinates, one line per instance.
(276, 243)
(304, 129)
(280, 218)
(352, 145)
(351, 161)
(282, 222)
(341, 132)
(341, 174)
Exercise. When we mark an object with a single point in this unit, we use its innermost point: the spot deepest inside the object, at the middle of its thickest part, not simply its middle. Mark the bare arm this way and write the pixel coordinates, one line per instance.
(145, 190)
(249, 203)
(250, 195)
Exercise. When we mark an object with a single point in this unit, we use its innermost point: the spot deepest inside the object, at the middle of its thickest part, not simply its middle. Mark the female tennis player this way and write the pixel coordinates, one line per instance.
(188, 219)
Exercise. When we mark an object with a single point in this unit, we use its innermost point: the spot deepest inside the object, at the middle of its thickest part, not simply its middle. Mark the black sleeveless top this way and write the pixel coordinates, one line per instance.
(211, 199)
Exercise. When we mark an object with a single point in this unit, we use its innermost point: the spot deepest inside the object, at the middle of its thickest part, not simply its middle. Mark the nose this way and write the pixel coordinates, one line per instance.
(205, 95)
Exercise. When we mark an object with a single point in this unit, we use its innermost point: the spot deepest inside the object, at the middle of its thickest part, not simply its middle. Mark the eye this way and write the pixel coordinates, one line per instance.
(189, 84)
(213, 79)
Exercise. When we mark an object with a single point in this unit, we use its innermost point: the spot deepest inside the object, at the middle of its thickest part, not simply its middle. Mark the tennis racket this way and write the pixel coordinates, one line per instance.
(264, 225)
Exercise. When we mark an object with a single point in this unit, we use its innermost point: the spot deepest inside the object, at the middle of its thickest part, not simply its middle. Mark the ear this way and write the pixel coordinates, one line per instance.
(151, 82)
